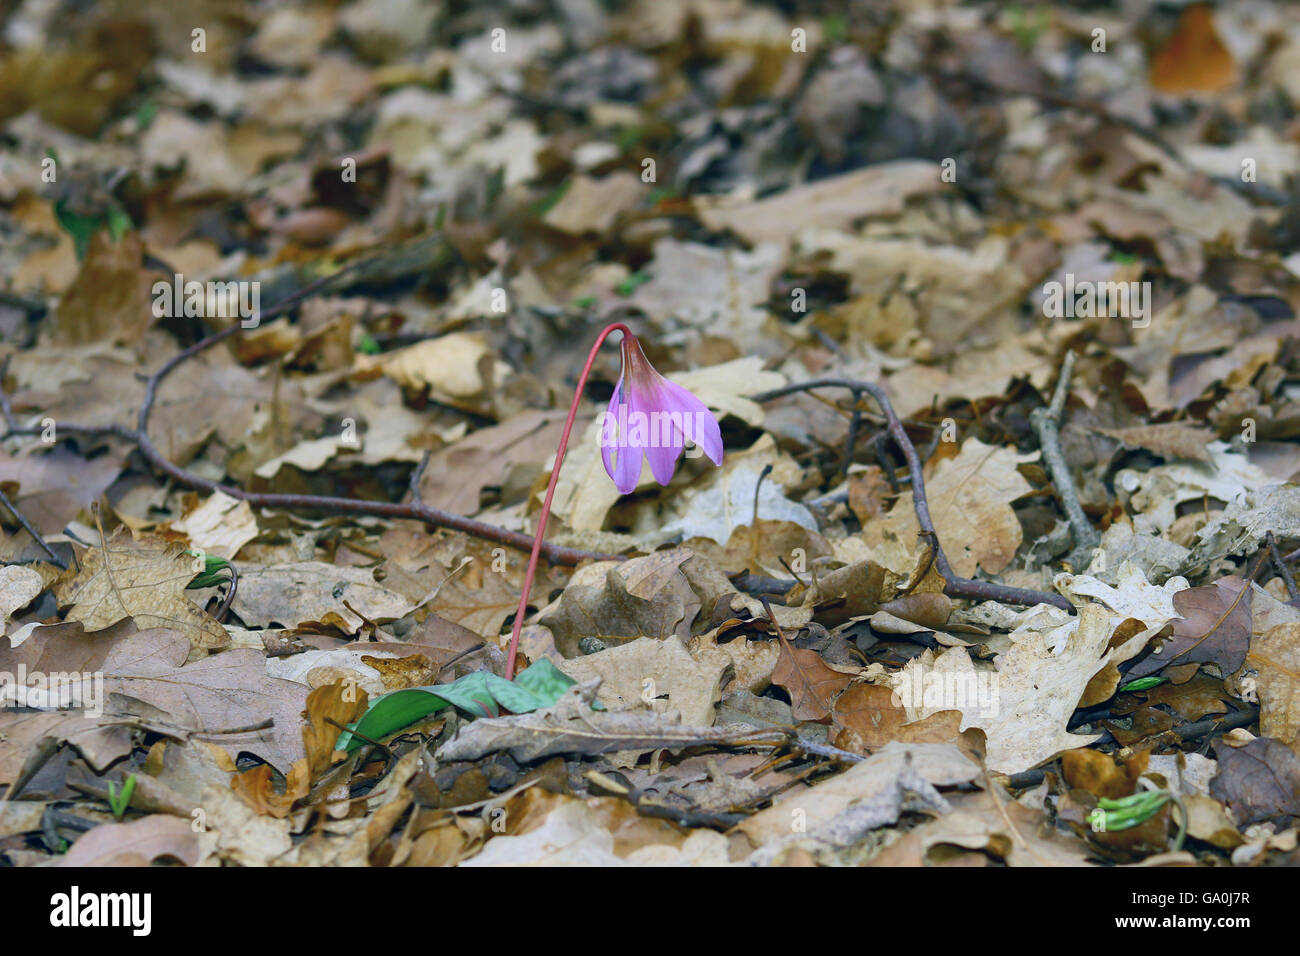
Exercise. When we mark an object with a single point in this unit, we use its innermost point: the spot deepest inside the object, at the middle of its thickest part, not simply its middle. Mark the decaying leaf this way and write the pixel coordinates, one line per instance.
(138, 843)
(572, 727)
(1214, 628)
(619, 602)
(1260, 781)
(812, 685)
(144, 580)
(1022, 707)
(1276, 655)
(657, 673)
(970, 503)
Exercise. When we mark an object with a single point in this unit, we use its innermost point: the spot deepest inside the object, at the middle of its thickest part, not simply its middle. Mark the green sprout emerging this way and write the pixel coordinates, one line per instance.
(119, 800)
(1143, 683)
(215, 571)
(1126, 812)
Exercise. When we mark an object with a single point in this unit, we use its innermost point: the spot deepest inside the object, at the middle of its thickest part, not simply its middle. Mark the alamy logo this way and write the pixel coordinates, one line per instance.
(75, 908)
(194, 299)
(971, 692)
(637, 429)
(1088, 300)
(54, 691)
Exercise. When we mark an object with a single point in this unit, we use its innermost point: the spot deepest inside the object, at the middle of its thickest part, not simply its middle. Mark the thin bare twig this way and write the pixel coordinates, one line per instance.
(854, 423)
(415, 510)
(36, 535)
(767, 470)
(1279, 565)
(417, 473)
(1047, 424)
(956, 585)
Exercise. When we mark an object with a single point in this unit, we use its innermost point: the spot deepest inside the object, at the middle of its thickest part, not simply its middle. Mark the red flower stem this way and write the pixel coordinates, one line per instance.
(550, 493)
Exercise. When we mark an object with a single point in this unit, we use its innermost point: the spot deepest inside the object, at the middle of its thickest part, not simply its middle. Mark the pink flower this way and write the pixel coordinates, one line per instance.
(649, 415)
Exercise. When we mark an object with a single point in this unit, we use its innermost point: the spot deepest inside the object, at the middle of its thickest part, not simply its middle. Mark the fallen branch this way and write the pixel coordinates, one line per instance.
(1047, 424)
(413, 510)
(31, 530)
(955, 586)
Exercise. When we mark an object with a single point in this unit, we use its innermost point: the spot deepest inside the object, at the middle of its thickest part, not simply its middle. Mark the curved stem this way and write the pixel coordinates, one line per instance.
(545, 513)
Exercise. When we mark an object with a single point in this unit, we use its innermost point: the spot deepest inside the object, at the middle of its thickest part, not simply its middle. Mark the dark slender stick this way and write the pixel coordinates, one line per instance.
(415, 510)
(767, 470)
(956, 586)
(1047, 423)
(1279, 565)
(855, 422)
(417, 473)
(36, 535)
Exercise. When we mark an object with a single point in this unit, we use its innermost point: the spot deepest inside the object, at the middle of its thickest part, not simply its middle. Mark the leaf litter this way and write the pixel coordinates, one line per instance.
(997, 328)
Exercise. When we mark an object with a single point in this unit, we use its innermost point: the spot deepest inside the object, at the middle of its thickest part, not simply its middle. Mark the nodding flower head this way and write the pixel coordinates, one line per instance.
(649, 415)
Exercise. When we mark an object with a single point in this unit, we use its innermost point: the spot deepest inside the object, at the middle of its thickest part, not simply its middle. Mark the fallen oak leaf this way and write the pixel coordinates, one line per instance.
(651, 670)
(929, 610)
(230, 689)
(1214, 628)
(1193, 59)
(18, 586)
(812, 685)
(255, 786)
(1276, 655)
(869, 716)
(328, 708)
(1260, 781)
(144, 580)
(138, 843)
(1169, 440)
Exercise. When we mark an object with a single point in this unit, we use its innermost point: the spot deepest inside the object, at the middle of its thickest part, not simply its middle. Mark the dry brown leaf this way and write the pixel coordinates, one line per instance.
(18, 585)
(833, 203)
(620, 601)
(1194, 59)
(144, 580)
(138, 843)
(1259, 781)
(459, 369)
(970, 503)
(594, 205)
(221, 525)
(1214, 628)
(256, 787)
(1276, 655)
(812, 685)
(327, 708)
(647, 671)
(289, 594)
(221, 692)
(109, 298)
(1101, 774)
(1170, 440)
(868, 716)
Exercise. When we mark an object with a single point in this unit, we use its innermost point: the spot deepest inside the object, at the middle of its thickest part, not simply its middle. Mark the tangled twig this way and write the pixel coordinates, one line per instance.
(955, 586)
(1047, 423)
(414, 510)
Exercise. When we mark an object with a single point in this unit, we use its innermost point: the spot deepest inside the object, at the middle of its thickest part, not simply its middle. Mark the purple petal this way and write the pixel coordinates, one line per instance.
(705, 431)
(627, 469)
(663, 460)
(609, 436)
